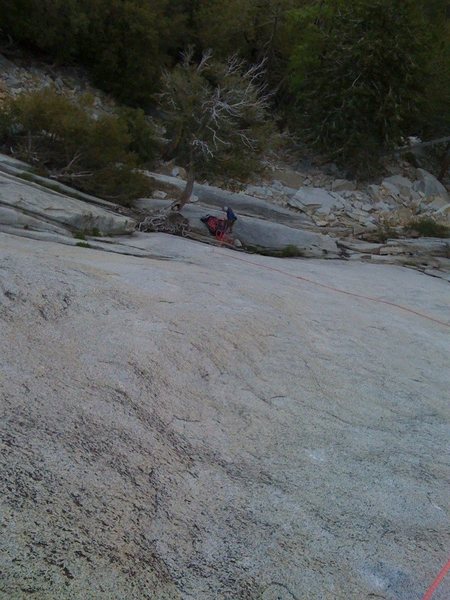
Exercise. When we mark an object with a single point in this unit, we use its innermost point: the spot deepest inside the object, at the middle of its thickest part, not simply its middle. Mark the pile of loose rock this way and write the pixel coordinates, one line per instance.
(17, 78)
(344, 206)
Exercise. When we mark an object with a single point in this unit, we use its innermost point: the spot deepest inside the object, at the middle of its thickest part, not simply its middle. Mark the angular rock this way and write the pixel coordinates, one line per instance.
(430, 185)
(343, 185)
(400, 183)
(316, 200)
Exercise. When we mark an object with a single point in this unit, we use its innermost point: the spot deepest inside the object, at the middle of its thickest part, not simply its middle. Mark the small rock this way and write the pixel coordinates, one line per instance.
(159, 194)
(179, 172)
(343, 185)
(277, 185)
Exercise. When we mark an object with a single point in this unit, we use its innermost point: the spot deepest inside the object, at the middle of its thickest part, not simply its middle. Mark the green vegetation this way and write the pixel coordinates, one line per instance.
(427, 227)
(352, 79)
(215, 114)
(362, 74)
(83, 245)
(65, 142)
(291, 251)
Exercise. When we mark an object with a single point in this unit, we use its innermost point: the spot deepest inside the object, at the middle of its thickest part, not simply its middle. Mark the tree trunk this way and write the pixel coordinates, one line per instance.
(189, 188)
(187, 193)
(172, 148)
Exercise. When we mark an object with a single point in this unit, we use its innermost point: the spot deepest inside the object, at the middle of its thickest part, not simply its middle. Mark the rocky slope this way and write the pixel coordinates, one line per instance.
(197, 423)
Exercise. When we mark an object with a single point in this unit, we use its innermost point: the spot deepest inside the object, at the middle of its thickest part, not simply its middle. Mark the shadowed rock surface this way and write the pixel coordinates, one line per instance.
(194, 425)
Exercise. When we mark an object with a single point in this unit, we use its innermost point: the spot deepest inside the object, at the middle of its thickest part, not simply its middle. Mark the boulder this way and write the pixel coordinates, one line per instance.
(316, 200)
(179, 172)
(343, 185)
(391, 189)
(417, 247)
(289, 178)
(430, 186)
(401, 184)
(242, 203)
(360, 246)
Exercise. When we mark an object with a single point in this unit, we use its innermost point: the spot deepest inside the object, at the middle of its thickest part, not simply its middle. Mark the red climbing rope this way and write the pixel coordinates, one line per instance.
(437, 582)
(339, 291)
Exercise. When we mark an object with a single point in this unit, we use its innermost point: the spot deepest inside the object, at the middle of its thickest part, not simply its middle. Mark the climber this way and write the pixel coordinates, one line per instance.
(231, 218)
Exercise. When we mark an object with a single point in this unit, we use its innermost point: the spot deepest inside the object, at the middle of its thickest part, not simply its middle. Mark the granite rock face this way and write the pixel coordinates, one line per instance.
(202, 424)
(31, 206)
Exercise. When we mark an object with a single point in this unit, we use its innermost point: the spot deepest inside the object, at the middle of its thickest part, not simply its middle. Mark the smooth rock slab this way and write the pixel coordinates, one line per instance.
(47, 209)
(195, 426)
(242, 203)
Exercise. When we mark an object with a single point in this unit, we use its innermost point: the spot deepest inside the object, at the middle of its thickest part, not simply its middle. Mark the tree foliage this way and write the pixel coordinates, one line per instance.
(354, 77)
(64, 141)
(214, 110)
(361, 73)
(121, 43)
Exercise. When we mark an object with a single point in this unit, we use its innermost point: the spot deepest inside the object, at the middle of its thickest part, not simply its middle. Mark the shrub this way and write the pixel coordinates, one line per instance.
(427, 227)
(64, 141)
(291, 251)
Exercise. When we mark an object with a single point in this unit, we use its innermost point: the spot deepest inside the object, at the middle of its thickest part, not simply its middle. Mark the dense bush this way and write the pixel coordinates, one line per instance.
(63, 140)
(361, 72)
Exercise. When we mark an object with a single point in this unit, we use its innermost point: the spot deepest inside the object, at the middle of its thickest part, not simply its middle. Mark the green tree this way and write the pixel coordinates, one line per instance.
(54, 26)
(256, 29)
(360, 72)
(213, 111)
(123, 47)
